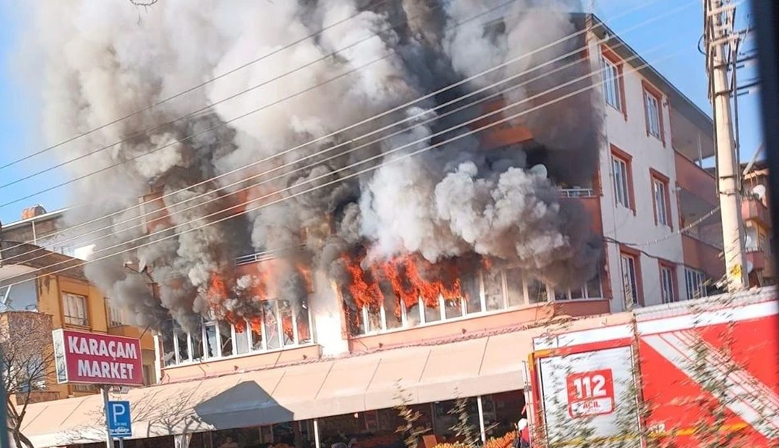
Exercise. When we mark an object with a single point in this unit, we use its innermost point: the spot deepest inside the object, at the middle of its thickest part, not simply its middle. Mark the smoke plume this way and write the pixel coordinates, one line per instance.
(458, 200)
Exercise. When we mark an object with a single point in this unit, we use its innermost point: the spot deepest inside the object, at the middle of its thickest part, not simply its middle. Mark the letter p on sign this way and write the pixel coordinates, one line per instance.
(119, 419)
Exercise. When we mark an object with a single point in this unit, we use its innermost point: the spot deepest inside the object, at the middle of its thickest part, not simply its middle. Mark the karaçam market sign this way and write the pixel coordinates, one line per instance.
(93, 358)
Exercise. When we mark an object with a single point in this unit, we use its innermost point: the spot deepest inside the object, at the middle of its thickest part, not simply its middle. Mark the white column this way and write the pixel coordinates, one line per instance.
(316, 433)
(481, 420)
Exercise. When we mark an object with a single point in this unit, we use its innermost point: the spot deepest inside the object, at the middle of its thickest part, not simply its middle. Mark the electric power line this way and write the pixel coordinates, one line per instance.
(499, 93)
(311, 88)
(363, 122)
(348, 176)
(196, 87)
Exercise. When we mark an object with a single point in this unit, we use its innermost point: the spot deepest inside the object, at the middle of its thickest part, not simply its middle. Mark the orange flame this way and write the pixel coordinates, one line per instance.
(364, 288)
(406, 279)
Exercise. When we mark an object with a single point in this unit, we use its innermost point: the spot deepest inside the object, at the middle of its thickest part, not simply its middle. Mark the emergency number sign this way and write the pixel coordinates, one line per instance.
(92, 358)
(590, 393)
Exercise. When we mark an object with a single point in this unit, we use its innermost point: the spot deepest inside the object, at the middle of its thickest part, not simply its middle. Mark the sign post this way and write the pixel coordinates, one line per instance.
(101, 360)
(118, 418)
(109, 442)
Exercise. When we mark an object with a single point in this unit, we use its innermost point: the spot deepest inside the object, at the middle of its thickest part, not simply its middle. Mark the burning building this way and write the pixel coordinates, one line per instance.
(438, 167)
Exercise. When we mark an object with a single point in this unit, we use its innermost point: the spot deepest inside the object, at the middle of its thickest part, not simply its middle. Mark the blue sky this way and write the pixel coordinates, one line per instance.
(19, 129)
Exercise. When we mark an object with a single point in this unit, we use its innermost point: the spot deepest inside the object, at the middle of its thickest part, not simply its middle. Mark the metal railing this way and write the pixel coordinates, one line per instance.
(577, 192)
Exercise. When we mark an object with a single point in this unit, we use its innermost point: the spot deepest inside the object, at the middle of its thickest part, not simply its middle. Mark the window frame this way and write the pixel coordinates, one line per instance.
(659, 178)
(670, 268)
(66, 318)
(506, 304)
(635, 256)
(618, 155)
(650, 91)
(204, 357)
(609, 56)
(700, 279)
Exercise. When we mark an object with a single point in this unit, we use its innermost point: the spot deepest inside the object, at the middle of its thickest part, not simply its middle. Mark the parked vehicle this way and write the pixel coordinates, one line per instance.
(689, 374)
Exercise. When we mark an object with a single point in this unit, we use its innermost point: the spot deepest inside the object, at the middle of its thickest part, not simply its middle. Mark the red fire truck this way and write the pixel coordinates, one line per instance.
(689, 374)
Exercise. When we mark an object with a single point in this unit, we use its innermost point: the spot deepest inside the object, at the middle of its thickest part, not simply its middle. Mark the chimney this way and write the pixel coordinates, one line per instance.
(32, 212)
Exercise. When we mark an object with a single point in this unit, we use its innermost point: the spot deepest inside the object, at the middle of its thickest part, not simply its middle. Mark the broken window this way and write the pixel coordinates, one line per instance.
(536, 291)
(182, 342)
(271, 325)
(255, 327)
(287, 325)
(241, 338)
(304, 332)
(515, 289)
(453, 308)
(196, 337)
(413, 317)
(472, 292)
(168, 344)
(493, 289)
(372, 317)
(393, 313)
(211, 340)
(432, 313)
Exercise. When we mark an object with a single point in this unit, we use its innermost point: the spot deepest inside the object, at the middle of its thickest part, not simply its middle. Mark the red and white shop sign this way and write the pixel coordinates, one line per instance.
(590, 393)
(92, 358)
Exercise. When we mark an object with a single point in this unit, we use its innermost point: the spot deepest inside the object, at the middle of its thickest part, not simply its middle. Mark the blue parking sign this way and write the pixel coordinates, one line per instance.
(118, 415)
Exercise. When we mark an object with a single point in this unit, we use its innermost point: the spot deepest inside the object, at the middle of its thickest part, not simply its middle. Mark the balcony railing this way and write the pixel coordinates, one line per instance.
(577, 192)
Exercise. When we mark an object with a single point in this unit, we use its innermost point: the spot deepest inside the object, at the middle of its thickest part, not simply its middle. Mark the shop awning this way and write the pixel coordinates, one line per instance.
(324, 388)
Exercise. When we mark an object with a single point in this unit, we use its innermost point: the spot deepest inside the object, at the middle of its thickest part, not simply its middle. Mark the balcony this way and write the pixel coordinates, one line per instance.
(703, 256)
(695, 180)
(753, 209)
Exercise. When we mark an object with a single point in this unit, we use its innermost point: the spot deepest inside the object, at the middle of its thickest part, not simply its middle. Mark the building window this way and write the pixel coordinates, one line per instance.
(661, 198)
(75, 309)
(622, 181)
(695, 283)
(653, 112)
(611, 83)
(629, 265)
(276, 327)
(116, 316)
(667, 281)
(487, 291)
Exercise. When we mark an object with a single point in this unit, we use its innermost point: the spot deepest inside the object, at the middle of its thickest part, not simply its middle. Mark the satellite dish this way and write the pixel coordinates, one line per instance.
(750, 267)
(748, 241)
(539, 170)
(759, 191)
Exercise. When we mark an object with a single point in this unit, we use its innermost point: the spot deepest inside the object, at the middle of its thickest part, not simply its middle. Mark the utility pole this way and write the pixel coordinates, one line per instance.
(720, 41)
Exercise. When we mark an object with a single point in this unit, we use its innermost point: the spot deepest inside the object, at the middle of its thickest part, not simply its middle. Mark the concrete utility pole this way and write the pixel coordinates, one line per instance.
(720, 39)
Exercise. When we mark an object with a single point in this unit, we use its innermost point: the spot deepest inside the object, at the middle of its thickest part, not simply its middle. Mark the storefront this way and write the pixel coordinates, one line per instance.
(347, 399)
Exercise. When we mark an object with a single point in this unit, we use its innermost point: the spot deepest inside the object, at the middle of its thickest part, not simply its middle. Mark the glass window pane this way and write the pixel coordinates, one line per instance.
(211, 340)
(304, 332)
(594, 288)
(432, 314)
(285, 311)
(225, 331)
(270, 322)
(392, 311)
(493, 289)
(241, 338)
(515, 290)
(412, 316)
(472, 292)
(168, 347)
(453, 308)
(560, 294)
(196, 340)
(577, 293)
(536, 291)
(255, 325)
(183, 354)
(374, 319)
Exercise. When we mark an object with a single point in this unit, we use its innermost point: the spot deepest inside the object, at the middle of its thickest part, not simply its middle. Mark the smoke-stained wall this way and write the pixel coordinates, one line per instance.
(106, 60)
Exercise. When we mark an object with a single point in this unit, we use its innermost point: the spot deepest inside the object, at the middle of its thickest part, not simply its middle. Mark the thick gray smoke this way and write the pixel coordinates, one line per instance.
(104, 60)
